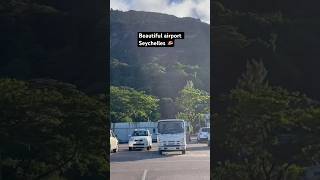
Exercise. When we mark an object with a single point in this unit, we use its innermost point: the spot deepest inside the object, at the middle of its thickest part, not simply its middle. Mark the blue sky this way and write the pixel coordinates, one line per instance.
(199, 9)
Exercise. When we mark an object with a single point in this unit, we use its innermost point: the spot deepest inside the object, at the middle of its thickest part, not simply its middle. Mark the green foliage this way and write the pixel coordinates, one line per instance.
(193, 103)
(25, 7)
(129, 105)
(159, 72)
(255, 76)
(49, 130)
(266, 132)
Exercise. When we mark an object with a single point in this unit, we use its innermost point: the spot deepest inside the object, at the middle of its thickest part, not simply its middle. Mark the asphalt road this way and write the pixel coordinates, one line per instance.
(150, 165)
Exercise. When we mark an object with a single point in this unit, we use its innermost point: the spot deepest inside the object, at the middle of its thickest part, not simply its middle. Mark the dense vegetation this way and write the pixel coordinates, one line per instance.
(262, 131)
(53, 39)
(161, 72)
(52, 129)
(287, 44)
(266, 122)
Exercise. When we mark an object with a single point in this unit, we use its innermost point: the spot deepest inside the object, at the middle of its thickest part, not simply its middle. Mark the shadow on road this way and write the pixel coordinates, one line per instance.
(124, 155)
(135, 155)
(198, 148)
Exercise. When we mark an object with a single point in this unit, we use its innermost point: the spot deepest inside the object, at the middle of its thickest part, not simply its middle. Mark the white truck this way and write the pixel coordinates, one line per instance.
(172, 135)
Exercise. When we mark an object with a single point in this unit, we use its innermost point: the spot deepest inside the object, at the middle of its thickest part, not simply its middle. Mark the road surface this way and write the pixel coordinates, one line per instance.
(150, 165)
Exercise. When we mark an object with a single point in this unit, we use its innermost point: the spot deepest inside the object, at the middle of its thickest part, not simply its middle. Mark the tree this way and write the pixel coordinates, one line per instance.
(49, 129)
(193, 103)
(255, 76)
(129, 105)
(264, 131)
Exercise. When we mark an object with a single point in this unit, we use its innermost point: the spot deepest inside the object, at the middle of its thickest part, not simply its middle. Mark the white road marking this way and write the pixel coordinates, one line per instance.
(144, 174)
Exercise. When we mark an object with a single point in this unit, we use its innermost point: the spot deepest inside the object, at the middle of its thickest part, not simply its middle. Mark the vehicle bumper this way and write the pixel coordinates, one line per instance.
(202, 139)
(172, 148)
(132, 145)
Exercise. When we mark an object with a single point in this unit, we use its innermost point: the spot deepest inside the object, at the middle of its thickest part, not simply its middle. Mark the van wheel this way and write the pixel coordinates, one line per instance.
(183, 151)
(130, 148)
(114, 150)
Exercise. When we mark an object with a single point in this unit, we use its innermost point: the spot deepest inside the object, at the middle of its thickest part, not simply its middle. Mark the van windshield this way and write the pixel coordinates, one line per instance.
(140, 133)
(205, 130)
(170, 127)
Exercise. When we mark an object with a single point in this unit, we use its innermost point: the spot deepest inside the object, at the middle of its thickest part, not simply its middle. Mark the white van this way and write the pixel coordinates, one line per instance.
(140, 139)
(114, 143)
(203, 134)
(172, 135)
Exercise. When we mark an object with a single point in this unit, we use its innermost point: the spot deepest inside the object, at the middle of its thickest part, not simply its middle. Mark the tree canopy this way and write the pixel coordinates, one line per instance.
(129, 105)
(194, 103)
(265, 132)
(49, 129)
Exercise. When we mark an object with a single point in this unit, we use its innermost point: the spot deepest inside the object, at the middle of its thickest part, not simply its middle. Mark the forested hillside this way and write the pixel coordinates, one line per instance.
(266, 91)
(156, 69)
(162, 72)
(52, 129)
(277, 32)
(53, 39)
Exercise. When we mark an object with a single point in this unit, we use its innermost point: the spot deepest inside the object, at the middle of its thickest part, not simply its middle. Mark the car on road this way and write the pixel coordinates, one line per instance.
(114, 143)
(140, 139)
(203, 134)
(172, 135)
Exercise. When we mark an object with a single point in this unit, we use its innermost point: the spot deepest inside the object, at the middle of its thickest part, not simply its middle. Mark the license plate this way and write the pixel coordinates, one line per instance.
(171, 148)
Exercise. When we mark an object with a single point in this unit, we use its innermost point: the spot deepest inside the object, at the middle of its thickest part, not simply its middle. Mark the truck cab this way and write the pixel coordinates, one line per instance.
(172, 135)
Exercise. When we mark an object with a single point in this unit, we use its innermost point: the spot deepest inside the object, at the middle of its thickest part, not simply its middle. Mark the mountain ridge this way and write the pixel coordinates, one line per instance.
(188, 60)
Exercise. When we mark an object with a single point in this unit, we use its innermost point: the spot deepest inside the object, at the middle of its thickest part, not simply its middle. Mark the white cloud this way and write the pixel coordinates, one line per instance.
(119, 5)
(199, 9)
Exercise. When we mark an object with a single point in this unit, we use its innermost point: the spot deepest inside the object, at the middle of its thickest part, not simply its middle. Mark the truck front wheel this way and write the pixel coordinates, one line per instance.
(183, 151)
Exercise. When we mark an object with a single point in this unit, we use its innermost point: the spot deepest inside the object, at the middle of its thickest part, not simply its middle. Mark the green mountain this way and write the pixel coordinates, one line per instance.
(158, 71)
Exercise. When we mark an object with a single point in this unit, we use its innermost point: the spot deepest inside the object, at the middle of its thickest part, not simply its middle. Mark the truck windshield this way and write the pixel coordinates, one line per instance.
(170, 127)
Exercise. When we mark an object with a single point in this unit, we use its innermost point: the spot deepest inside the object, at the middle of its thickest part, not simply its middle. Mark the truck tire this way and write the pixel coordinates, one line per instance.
(130, 148)
(183, 151)
(160, 152)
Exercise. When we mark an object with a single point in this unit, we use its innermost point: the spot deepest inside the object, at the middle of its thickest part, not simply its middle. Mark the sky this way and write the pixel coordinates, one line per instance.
(199, 9)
